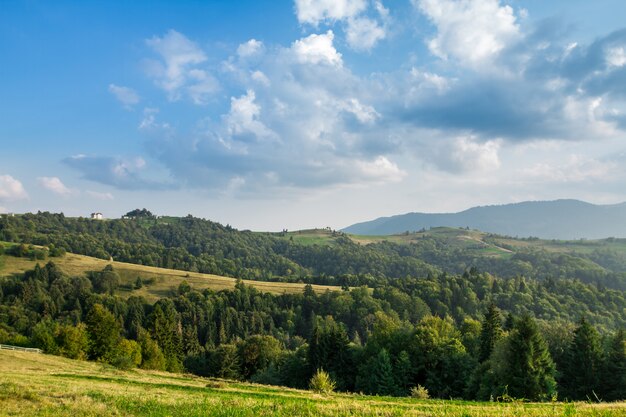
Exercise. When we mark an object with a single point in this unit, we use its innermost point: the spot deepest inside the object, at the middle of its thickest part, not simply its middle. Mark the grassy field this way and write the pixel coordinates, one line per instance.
(42, 385)
(159, 282)
(481, 243)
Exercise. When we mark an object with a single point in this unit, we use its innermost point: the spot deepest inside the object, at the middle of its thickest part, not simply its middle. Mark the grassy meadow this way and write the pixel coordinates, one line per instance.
(43, 385)
(158, 282)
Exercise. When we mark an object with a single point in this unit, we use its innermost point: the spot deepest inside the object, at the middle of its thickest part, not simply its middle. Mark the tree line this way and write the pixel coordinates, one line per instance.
(384, 341)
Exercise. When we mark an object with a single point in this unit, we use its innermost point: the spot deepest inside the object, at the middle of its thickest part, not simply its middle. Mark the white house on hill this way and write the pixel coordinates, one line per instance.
(97, 216)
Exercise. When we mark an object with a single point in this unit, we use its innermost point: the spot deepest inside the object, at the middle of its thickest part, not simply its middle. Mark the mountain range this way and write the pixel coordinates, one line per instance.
(558, 219)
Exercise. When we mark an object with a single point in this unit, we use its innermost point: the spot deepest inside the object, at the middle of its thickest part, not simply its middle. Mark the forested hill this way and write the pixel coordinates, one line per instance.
(319, 256)
(455, 312)
(560, 219)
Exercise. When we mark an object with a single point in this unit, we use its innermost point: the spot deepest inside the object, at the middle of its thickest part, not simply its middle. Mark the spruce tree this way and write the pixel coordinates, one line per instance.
(530, 369)
(490, 333)
(583, 362)
(614, 381)
(377, 375)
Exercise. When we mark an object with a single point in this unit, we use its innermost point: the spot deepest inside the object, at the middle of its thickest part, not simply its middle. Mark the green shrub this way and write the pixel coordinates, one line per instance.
(419, 392)
(322, 383)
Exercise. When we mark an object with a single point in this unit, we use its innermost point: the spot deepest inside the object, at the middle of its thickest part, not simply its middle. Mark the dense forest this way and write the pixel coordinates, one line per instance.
(412, 318)
(193, 244)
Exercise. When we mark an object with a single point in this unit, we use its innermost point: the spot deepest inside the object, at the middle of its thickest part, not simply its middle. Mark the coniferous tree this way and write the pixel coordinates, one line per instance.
(614, 381)
(530, 369)
(166, 332)
(490, 333)
(583, 361)
(376, 376)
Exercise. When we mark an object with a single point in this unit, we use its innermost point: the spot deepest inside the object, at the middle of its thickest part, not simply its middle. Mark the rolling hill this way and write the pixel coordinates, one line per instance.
(38, 384)
(559, 219)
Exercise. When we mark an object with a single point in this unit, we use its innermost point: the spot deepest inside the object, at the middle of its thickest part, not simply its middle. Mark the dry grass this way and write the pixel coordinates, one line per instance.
(43, 385)
(163, 282)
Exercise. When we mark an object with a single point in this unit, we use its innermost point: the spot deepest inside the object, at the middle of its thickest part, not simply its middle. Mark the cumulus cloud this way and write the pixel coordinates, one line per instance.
(317, 49)
(243, 117)
(55, 185)
(178, 72)
(362, 32)
(11, 189)
(250, 48)
(322, 125)
(125, 95)
(315, 11)
(470, 31)
(118, 172)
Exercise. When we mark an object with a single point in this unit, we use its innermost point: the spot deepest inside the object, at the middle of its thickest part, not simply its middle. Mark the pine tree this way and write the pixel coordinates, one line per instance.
(403, 373)
(583, 362)
(376, 376)
(614, 380)
(490, 333)
(530, 369)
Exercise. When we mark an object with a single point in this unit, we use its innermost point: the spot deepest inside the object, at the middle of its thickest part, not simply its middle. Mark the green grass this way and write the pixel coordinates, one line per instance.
(160, 282)
(44, 385)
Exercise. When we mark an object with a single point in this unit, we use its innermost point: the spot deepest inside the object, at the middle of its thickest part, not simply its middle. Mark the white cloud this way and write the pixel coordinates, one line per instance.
(3, 210)
(471, 31)
(250, 48)
(178, 69)
(470, 155)
(363, 113)
(100, 196)
(202, 87)
(317, 49)
(149, 122)
(244, 117)
(616, 57)
(55, 185)
(11, 189)
(575, 169)
(125, 95)
(260, 77)
(363, 33)
(421, 80)
(381, 170)
(315, 11)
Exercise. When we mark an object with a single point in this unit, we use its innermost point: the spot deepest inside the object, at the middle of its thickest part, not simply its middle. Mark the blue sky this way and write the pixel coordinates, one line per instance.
(309, 113)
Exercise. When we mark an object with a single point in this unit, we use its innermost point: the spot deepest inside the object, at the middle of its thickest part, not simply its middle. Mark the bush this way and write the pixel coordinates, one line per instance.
(322, 383)
(420, 392)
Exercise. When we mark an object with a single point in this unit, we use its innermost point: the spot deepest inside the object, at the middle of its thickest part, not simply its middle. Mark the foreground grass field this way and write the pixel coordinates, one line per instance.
(43, 385)
(159, 282)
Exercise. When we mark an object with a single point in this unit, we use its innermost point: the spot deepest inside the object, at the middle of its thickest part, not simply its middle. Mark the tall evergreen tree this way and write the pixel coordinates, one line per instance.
(530, 369)
(376, 376)
(583, 362)
(614, 381)
(490, 333)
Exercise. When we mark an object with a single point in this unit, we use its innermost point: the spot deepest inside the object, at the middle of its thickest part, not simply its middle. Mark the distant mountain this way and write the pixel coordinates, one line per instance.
(559, 219)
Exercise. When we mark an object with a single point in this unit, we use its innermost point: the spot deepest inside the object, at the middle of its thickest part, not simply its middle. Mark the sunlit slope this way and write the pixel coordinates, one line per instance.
(158, 282)
(42, 385)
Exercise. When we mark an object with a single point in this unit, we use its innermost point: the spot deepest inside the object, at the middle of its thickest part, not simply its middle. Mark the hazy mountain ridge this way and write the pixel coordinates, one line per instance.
(559, 219)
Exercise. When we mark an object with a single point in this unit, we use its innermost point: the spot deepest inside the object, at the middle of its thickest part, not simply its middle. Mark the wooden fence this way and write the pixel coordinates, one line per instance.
(21, 349)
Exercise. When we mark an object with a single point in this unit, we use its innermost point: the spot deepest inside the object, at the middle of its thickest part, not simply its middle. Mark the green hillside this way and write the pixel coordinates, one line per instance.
(44, 385)
(157, 282)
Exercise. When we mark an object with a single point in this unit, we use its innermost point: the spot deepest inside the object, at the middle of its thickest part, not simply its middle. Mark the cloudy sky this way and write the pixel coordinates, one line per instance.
(309, 113)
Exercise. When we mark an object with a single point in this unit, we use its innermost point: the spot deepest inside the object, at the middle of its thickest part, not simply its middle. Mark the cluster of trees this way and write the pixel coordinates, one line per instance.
(194, 244)
(384, 341)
